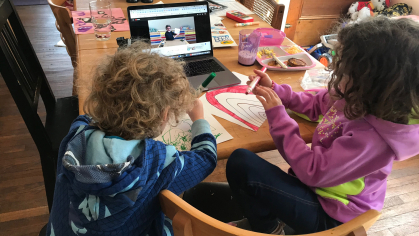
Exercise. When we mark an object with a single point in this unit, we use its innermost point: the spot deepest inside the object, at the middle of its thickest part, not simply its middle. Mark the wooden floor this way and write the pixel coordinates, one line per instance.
(23, 209)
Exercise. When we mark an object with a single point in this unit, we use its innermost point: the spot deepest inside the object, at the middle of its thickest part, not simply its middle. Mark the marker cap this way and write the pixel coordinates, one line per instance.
(208, 80)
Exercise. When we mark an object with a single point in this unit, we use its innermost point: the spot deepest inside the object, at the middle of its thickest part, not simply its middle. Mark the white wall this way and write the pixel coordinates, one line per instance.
(413, 3)
(286, 3)
(174, 23)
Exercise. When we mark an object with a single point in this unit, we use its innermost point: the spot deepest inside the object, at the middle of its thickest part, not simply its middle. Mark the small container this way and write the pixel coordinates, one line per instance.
(248, 46)
(239, 16)
(270, 37)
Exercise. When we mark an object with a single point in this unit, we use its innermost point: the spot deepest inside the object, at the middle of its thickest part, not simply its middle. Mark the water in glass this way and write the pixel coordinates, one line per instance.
(102, 28)
(101, 16)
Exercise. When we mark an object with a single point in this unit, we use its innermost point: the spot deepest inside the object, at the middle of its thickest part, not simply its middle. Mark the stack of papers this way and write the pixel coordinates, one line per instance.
(231, 5)
(220, 36)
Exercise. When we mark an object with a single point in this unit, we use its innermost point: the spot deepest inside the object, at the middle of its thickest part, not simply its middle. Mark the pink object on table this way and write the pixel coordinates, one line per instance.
(83, 25)
(304, 56)
(270, 37)
(211, 98)
(253, 84)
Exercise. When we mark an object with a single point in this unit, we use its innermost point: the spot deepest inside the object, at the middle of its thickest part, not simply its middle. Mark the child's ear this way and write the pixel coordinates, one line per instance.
(165, 114)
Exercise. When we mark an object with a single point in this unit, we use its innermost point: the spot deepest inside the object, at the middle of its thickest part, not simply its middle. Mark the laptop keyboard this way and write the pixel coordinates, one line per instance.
(195, 68)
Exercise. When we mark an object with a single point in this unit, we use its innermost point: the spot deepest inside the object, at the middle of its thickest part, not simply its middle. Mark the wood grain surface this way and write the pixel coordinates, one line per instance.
(23, 205)
(91, 53)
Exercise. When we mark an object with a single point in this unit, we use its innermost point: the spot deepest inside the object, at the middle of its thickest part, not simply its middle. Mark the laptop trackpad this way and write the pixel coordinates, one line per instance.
(199, 79)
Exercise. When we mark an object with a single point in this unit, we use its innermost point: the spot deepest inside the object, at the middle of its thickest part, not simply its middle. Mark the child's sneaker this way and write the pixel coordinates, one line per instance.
(279, 229)
(242, 224)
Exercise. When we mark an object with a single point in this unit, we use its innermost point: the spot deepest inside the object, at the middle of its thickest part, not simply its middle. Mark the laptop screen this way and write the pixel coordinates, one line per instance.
(174, 30)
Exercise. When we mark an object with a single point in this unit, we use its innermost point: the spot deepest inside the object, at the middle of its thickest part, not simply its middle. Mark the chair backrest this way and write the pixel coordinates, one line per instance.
(188, 221)
(26, 81)
(269, 11)
(64, 26)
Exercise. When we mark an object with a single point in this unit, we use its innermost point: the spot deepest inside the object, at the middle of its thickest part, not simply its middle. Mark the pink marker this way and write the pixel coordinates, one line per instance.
(254, 82)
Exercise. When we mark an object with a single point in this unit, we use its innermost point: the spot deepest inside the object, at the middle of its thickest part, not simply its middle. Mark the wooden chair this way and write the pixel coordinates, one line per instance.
(64, 23)
(268, 10)
(26, 81)
(188, 221)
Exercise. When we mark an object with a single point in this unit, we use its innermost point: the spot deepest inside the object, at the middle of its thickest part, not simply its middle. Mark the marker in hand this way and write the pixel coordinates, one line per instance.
(206, 82)
(253, 84)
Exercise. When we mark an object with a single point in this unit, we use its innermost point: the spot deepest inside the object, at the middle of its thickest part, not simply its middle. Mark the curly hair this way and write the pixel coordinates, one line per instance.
(379, 61)
(132, 89)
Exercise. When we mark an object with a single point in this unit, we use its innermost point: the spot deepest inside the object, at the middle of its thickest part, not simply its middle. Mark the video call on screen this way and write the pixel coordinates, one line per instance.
(140, 28)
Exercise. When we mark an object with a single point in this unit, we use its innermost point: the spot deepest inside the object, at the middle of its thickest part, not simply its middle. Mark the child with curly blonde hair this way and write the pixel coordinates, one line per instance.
(110, 170)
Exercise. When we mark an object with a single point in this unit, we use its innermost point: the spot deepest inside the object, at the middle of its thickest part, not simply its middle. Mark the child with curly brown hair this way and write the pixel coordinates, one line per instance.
(110, 170)
(371, 119)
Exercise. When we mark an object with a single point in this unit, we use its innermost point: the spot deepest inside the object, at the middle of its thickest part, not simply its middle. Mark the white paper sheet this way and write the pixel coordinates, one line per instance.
(60, 44)
(181, 136)
(215, 19)
(220, 36)
(234, 105)
(242, 78)
(231, 5)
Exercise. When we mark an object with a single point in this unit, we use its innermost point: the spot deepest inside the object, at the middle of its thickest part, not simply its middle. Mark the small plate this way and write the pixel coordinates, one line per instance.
(302, 56)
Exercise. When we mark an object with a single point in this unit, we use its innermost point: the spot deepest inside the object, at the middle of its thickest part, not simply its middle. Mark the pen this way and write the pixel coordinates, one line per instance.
(206, 82)
(248, 23)
(252, 85)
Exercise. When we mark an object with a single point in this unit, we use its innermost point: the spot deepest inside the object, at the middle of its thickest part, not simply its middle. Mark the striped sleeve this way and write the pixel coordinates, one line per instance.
(195, 165)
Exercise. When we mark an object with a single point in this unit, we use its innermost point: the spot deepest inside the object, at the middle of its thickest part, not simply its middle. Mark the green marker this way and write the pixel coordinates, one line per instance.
(206, 82)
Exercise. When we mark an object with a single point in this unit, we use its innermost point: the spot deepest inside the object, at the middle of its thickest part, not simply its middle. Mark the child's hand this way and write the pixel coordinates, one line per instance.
(197, 111)
(270, 100)
(264, 79)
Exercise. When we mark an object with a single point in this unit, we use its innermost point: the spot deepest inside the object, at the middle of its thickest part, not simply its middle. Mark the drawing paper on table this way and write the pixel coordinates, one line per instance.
(83, 22)
(235, 106)
(248, 109)
(180, 136)
(242, 78)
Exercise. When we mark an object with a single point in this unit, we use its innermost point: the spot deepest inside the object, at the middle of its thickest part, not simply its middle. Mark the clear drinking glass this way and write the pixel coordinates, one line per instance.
(101, 15)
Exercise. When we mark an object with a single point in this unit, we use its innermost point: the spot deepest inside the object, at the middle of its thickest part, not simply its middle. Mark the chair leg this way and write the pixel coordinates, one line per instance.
(74, 82)
(43, 231)
(48, 171)
(358, 232)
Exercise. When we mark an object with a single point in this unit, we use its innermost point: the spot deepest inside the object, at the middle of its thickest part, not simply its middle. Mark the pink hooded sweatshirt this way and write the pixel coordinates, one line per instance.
(349, 160)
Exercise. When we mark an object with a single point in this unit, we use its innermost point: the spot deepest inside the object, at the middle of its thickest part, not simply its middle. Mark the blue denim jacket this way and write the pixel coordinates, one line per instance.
(109, 186)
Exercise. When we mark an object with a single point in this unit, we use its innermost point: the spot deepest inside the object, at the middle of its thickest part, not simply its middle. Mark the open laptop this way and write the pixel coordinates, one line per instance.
(192, 44)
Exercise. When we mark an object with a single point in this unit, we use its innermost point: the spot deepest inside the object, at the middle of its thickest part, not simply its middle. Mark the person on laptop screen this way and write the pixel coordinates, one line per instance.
(169, 34)
(186, 34)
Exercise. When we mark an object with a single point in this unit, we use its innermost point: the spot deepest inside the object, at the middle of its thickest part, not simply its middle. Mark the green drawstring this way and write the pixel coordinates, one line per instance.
(413, 121)
(306, 117)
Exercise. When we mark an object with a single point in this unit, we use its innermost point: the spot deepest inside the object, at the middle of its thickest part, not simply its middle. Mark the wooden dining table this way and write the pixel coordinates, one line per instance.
(91, 52)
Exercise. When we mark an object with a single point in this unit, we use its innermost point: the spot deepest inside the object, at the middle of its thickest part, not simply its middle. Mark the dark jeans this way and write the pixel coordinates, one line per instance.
(266, 194)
